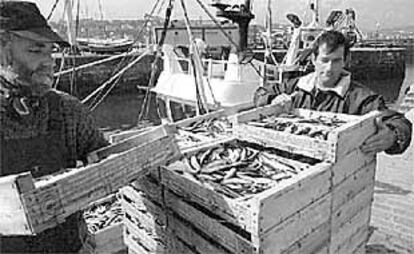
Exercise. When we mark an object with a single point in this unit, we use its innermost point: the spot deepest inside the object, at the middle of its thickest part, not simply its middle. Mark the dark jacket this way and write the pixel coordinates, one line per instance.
(357, 100)
(58, 132)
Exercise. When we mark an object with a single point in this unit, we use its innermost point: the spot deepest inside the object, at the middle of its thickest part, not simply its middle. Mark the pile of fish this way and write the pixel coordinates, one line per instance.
(212, 127)
(237, 170)
(317, 127)
(103, 215)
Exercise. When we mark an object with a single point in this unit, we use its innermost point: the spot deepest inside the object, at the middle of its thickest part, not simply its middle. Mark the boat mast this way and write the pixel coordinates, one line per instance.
(241, 16)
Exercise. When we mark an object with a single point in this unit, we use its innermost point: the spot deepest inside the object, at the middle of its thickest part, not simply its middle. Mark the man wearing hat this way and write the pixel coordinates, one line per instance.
(41, 130)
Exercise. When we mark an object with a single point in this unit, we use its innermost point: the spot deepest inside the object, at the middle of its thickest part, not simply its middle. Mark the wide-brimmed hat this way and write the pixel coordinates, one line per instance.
(24, 19)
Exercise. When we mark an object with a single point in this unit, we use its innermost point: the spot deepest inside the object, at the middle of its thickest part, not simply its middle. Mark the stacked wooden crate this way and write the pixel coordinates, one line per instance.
(324, 208)
(351, 175)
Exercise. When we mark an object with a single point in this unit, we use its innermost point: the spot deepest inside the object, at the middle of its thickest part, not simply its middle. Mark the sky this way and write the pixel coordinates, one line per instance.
(370, 13)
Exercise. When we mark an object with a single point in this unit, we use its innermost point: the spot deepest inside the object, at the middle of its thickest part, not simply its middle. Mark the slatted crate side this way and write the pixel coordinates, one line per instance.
(352, 234)
(355, 204)
(350, 136)
(292, 195)
(314, 242)
(297, 226)
(143, 137)
(228, 209)
(219, 233)
(171, 228)
(192, 120)
(351, 186)
(315, 148)
(349, 164)
(54, 199)
(340, 142)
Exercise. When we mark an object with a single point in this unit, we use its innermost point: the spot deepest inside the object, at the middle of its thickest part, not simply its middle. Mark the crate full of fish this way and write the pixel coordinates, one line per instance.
(104, 220)
(322, 135)
(250, 199)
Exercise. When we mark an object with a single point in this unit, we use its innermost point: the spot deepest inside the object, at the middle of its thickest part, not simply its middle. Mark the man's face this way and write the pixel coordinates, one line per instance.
(32, 62)
(329, 66)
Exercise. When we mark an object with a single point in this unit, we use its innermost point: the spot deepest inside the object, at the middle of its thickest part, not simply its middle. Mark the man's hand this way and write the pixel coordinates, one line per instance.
(383, 139)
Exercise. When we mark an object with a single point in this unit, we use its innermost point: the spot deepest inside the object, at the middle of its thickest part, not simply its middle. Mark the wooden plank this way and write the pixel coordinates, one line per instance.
(274, 109)
(110, 239)
(292, 195)
(315, 148)
(353, 185)
(297, 226)
(348, 210)
(13, 220)
(218, 232)
(352, 234)
(193, 240)
(314, 242)
(121, 136)
(56, 198)
(226, 208)
(348, 164)
(351, 135)
(189, 121)
(151, 135)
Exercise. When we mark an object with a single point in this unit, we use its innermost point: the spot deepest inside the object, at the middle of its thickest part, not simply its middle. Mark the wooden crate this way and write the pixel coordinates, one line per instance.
(30, 207)
(152, 228)
(269, 222)
(109, 237)
(340, 141)
(301, 214)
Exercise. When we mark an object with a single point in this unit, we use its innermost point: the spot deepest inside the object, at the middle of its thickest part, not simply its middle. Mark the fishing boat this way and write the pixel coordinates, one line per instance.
(231, 82)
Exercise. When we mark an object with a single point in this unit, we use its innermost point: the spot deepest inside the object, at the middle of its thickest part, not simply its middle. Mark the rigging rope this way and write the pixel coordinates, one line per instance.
(154, 68)
(52, 10)
(97, 100)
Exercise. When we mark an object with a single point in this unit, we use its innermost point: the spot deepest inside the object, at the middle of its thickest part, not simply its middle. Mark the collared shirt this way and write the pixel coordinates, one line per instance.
(310, 82)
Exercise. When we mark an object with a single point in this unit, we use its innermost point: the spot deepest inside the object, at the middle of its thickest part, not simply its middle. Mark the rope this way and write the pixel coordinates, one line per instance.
(116, 80)
(154, 67)
(52, 10)
(115, 76)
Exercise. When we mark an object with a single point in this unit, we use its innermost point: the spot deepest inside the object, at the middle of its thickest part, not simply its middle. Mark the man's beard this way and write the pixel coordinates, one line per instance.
(41, 82)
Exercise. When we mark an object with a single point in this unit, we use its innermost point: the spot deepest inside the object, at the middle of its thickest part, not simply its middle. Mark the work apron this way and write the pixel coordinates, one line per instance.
(42, 155)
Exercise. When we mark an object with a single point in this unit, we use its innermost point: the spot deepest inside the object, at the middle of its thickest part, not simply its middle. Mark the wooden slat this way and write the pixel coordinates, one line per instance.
(315, 148)
(292, 195)
(348, 210)
(311, 243)
(13, 220)
(352, 234)
(219, 233)
(153, 134)
(252, 114)
(54, 199)
(351, 135)
(297, 226)
(226, 208)
(353, 185)
(349, 164)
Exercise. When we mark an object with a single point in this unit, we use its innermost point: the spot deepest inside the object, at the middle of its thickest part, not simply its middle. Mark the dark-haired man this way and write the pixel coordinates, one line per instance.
(330, 88)
(41, 130)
